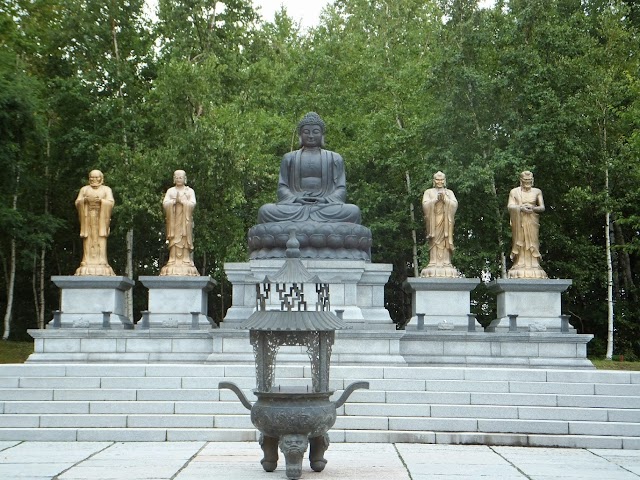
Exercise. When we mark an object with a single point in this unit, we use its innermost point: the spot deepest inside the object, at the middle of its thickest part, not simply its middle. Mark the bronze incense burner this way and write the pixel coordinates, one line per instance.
(293, 418)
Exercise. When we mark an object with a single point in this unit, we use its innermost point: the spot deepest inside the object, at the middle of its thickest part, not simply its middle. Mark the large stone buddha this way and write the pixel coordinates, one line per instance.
(311, 199)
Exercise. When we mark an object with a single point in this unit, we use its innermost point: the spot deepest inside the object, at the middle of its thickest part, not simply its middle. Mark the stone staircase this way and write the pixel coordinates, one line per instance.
(450, 405)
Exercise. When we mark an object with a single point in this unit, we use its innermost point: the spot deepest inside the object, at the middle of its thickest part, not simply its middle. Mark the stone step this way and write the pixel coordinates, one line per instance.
(481, 438)
(360, 403)
(27, 396)
(9, 373)
(241, 421)
(492, 411)
(128, 434)
(597, 409)
(155, 415)
(588, 387)
(336, 436)
(174, 383)
(348, 421)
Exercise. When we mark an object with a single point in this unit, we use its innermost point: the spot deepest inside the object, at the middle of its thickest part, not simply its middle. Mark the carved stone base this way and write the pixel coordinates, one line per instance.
(441, 271)
(95, 270)
(184, 270)
(339, 240)
(527, 272)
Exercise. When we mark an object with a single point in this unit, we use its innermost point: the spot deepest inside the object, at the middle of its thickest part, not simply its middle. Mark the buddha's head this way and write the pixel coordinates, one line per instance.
(439, 180)
(179, 178)
(526, 179)
(95, 178)
(311, 131)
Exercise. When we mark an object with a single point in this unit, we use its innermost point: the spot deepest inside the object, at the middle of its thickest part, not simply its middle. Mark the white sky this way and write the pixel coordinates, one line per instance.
(307, 12)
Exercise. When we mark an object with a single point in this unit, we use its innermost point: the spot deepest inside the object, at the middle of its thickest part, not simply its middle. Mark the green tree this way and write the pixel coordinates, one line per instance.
(23, 157)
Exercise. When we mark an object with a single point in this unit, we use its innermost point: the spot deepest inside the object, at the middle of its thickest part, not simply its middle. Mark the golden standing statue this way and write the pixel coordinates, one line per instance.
(439, 206)
(525, 203)
(179, 203)
(95, 204)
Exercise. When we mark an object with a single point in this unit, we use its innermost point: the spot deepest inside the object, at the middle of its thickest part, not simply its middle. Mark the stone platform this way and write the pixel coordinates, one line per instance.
(92, 302)
(352, 347)
(356, 288)
(356, 294)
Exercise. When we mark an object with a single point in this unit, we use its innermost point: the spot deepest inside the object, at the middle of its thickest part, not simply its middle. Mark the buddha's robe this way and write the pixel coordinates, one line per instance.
(312, 186)
(439, 221)
(179, 223)
(525, 227)
(94, 207)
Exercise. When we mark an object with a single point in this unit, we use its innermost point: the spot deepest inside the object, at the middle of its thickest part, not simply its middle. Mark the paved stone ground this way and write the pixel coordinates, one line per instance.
(347, 461)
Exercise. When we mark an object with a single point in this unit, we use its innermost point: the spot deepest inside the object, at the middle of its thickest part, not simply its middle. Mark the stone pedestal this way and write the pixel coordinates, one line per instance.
(442, 300)
(352, 347)
(151, 346)
(92, 302)
(178, 302)
(480, 349)
(356, 287)
(536, 302)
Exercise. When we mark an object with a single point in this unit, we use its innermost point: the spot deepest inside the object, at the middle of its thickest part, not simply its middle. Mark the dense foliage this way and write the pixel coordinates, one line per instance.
(407, 87)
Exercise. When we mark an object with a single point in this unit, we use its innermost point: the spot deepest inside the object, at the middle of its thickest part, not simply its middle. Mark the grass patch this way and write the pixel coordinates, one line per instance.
(602, 364)
(15, 352)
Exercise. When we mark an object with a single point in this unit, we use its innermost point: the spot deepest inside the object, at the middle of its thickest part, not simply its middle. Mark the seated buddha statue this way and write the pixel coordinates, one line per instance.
(311, 199)
(312, 183)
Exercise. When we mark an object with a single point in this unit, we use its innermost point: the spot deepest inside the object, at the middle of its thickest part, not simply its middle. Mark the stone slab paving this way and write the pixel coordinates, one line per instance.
(347, 461)
(554, 463)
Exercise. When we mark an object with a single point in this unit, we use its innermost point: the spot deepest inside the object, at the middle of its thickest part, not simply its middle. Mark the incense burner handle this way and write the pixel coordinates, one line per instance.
(240, 394)
(348, 391)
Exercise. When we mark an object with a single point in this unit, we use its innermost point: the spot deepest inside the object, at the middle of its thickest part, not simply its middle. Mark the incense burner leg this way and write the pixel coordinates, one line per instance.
(317, 447)
(269, 447)
(293, 447)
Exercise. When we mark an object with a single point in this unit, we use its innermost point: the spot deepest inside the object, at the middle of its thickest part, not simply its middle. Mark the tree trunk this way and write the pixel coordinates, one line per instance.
(34, 286)
(222, 299)
(43, 251)
(39, 272)
(129, 237)
(41, 300)
(129, 273)
(11, 281)
(204, 263)
(413, 230)
(610, 313)
(503, 257)
(607, 235)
